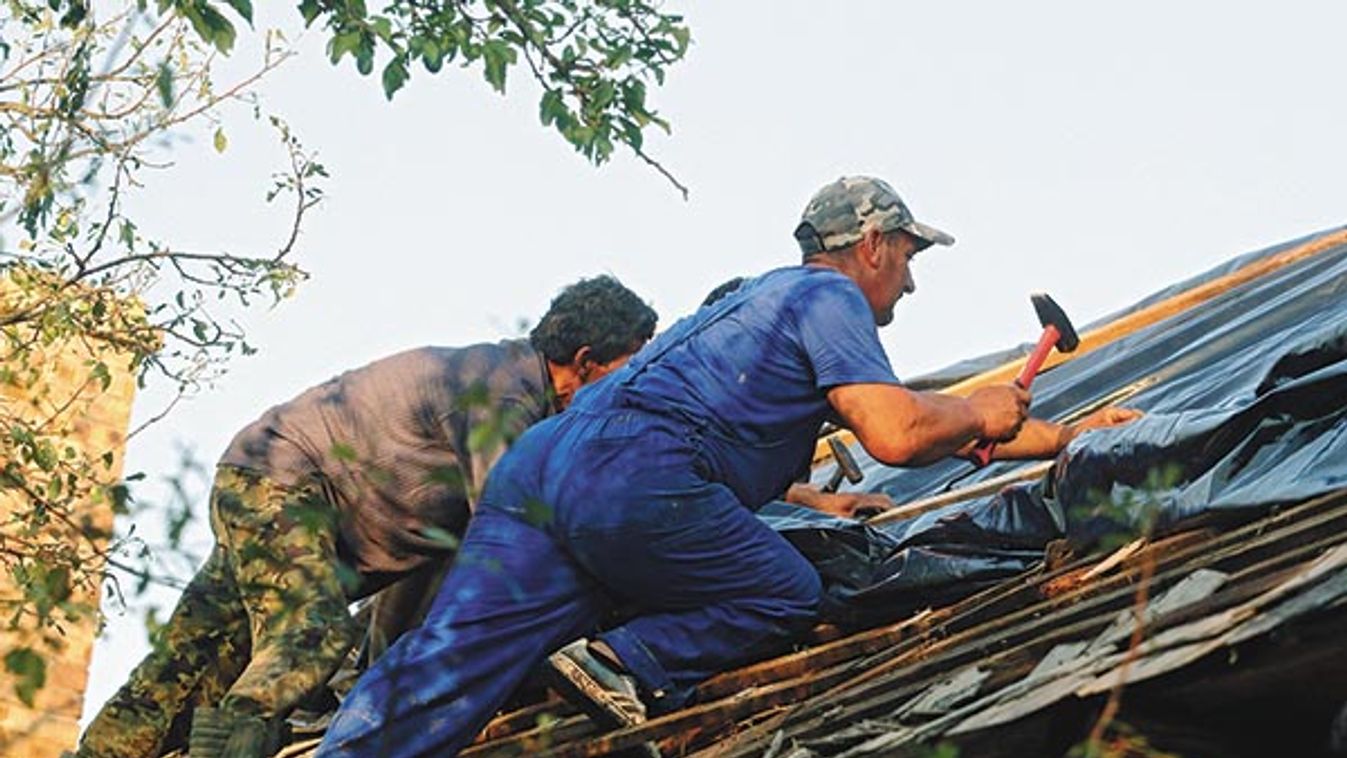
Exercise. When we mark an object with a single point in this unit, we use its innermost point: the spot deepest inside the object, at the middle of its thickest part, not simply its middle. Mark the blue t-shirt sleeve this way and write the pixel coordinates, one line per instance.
(838, 334)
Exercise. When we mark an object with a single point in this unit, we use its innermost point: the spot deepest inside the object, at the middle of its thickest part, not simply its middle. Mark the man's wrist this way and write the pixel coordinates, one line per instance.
(1065, 433)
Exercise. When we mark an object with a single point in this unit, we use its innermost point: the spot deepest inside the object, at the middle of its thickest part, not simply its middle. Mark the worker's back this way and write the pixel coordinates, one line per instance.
(747, 376)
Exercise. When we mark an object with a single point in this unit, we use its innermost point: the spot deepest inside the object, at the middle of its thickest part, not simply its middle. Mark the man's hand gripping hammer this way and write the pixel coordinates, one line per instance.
(1057, 332)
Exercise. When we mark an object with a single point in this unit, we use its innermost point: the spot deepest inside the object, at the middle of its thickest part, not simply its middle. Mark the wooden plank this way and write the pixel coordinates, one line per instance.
(936, 502)
(854, 699)
(842, 706)
(708, 718)
(526, 718)
(1116, 588)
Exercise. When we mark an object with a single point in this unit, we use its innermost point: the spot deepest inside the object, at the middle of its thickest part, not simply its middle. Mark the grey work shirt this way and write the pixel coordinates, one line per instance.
(401, 445)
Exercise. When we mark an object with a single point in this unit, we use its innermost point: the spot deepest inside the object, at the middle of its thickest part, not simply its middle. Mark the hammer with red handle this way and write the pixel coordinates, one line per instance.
(1057, 332)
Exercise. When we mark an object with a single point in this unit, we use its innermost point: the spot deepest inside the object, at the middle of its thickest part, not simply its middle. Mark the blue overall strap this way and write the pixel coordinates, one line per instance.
(727, 305)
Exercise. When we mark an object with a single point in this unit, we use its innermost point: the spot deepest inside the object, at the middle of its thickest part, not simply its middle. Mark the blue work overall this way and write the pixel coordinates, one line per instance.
(608, 502)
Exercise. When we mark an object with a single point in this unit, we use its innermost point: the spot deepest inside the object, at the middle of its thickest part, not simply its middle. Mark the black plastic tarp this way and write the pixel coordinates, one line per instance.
(1246, 402)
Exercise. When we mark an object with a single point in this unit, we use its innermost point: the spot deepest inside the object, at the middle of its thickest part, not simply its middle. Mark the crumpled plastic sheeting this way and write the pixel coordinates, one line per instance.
(1246, 401)
(943, 377)
(871, 574)
(1288, 443)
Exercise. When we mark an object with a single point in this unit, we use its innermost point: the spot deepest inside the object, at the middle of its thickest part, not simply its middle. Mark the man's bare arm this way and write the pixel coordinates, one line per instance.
(1045, 439)
(844, 504)
(900, 427)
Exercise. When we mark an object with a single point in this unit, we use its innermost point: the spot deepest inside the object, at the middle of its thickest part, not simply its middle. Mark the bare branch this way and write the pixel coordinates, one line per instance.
(156, 418)
(663, 171)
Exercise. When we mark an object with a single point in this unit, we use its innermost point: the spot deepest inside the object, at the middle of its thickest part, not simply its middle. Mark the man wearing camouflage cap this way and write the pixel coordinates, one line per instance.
(642, 495)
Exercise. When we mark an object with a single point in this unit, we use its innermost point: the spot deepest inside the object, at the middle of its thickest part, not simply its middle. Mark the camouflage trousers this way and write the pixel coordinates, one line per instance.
(262, 624)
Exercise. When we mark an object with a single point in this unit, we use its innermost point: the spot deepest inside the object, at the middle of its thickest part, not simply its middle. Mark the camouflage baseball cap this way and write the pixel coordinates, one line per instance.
(838, 215)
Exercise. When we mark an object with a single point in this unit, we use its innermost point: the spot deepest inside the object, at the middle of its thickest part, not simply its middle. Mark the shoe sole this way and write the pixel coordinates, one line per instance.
(578, 687)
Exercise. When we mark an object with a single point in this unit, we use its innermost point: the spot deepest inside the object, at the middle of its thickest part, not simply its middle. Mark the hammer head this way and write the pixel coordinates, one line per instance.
(846, 462)
(1051, 314)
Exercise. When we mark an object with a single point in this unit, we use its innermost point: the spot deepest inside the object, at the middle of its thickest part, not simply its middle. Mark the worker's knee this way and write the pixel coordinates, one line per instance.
(795, 604)
(323, 646)
(291, 665)
(804, 579)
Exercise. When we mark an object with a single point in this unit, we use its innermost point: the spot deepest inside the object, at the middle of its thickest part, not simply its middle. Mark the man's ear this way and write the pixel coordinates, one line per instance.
(870, 247)
(583, 361)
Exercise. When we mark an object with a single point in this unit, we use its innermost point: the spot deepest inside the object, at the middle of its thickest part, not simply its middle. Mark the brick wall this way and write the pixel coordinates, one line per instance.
(94, 422)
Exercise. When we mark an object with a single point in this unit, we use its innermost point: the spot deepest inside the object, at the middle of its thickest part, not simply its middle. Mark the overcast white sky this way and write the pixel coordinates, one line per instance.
(1095, 153)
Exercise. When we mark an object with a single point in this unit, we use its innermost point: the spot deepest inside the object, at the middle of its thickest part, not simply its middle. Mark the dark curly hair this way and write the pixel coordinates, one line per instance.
(598, 312)
(721, 290)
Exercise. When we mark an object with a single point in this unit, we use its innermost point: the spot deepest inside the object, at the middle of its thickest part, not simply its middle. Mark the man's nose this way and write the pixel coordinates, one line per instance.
(911, 285)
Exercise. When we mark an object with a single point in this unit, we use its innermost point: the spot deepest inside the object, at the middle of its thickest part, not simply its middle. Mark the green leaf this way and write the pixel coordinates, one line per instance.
(102, 374)
(551, 107)
(121, 498)
(395, 75)
(445, 476)
(631, 134)
(483, 436)
(163, 83)
(343, 452)
(74, 14)
(603, 95)
(354, 9)
(313, 517)
(221, 141)
(682, 36)
(440, 537)
(44, 456)
(497, 56)
(537, 513)
(364, 54)
(349, 578)
(342, 44)
(128, 234)
(244, 9)
(309, 9)
(432, 55)
(210, 25)
(383, 28)
(29, 670)
(633, 97)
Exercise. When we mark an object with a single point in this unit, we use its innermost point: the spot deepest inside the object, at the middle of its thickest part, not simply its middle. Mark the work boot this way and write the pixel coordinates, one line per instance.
(210, 732)
(608, 696)
(253, 737)
(219, 734)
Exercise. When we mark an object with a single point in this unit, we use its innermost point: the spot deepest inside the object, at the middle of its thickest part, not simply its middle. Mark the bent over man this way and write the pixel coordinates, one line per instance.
(330, 496)
(642, 494)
